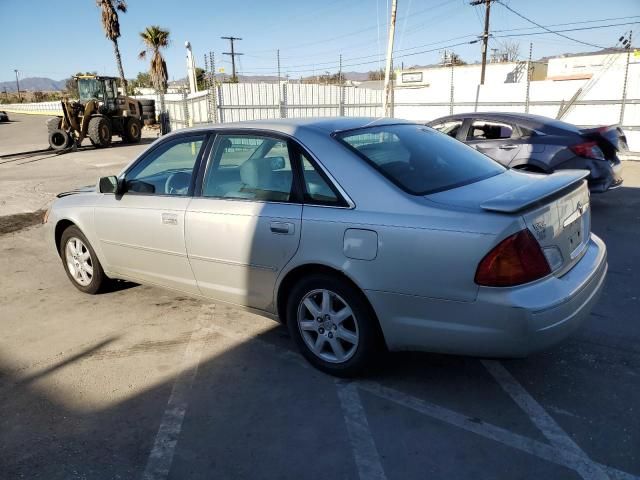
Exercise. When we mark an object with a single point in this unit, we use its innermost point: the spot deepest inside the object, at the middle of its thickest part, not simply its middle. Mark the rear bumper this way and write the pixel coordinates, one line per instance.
(605, 175)
(502, 322)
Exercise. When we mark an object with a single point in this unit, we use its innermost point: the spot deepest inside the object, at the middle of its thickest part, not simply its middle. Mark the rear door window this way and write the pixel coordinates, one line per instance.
(484, 130)
(418, 159)
(250, 167)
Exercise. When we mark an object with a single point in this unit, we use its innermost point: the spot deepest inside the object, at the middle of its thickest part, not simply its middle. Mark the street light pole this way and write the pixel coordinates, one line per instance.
(18, 85)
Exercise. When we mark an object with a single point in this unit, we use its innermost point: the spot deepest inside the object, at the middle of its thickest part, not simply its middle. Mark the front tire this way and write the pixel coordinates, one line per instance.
(81, 262)
(99, 131)
(333, 325)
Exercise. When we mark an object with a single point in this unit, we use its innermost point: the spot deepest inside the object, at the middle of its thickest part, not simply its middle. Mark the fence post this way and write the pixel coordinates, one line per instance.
(220, 102)
(526, 101)
(451, 93)
(626, 76)
(185, 108)
(283, 101)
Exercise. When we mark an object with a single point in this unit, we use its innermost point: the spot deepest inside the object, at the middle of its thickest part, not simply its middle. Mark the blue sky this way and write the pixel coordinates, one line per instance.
(310, 34)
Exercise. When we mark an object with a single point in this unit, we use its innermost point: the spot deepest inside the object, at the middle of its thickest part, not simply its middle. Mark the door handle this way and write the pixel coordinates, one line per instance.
(283, 228)
(169, 219)
(507, 147)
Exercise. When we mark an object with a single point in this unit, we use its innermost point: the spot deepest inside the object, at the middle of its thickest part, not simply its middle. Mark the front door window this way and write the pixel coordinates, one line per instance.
(167, 170)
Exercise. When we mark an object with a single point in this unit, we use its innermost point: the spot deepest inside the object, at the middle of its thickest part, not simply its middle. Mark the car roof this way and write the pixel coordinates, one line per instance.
(290, 126)
(535, 122)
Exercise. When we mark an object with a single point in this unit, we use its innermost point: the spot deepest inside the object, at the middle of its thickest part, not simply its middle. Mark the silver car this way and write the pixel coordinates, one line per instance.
(357, 233)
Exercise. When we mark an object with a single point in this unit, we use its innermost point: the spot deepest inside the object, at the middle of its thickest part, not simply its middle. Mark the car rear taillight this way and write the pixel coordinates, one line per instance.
(588, 150)
(515, 260)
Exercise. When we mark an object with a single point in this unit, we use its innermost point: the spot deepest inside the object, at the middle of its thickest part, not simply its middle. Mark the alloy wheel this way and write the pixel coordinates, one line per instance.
(79, 261)
(328, 326)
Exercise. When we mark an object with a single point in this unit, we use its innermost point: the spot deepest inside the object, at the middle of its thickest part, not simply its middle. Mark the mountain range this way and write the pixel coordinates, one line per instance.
(33, 84)
(43, 84)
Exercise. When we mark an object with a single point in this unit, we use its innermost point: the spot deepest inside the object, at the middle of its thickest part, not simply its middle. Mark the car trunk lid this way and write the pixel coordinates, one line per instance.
(555, 208)
(611, 140)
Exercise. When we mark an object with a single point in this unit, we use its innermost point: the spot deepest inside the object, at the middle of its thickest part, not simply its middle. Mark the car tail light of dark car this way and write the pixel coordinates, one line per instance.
(588, 150)
(515, 260)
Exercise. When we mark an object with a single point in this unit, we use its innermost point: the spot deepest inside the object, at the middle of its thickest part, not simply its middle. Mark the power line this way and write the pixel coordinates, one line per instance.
(571, 23)
(545, 28)
(595, 27)
(334, 64)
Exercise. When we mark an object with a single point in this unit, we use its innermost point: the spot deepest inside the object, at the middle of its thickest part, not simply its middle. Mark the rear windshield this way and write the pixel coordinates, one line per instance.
(418, 159)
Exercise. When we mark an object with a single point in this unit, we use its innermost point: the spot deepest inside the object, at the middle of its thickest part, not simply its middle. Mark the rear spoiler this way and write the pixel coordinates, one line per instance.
(540, 188)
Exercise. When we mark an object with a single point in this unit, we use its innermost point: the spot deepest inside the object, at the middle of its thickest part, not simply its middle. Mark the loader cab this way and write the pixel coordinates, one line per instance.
(101, 89)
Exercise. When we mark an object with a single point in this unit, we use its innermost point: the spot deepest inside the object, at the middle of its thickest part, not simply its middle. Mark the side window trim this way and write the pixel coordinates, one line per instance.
(168, 143)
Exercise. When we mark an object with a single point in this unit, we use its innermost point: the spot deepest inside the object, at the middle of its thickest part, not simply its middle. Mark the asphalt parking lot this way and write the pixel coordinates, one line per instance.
(143, 383)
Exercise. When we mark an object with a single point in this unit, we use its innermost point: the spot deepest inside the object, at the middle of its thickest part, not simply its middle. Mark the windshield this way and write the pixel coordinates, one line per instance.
(90, 89)
(418, 159)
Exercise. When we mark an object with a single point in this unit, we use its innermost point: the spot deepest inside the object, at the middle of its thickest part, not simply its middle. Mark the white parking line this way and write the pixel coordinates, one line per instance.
(161, 456)
(554, 454)
(362, 444)
(490, 431)
(541, 419)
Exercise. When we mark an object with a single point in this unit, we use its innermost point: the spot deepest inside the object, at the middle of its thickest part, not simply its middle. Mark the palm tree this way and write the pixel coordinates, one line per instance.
(154, 39)
(111, 27)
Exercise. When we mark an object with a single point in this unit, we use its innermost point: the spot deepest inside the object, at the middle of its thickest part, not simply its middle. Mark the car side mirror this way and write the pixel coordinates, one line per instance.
(277, 163)
(111, 184)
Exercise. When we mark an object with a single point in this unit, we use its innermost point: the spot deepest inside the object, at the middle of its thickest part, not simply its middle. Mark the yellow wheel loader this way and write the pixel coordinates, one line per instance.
(99, 114)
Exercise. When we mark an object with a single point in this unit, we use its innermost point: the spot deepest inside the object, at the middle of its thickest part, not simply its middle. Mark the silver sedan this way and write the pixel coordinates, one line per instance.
(359, 234)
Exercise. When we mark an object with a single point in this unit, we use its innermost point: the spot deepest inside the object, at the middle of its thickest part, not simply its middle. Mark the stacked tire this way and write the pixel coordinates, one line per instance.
(148, 111)
(58, 138)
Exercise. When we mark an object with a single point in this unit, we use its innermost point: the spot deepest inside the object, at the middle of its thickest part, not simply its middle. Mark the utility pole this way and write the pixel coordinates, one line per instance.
(18, 85)
(485, 35)
(233, 54)
(386, 105)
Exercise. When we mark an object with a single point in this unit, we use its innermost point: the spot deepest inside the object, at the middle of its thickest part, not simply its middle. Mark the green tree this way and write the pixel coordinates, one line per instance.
(200, 79)
(111, 26)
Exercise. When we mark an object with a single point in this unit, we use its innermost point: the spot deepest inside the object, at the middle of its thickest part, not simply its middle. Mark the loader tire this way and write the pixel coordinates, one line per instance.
(132, 130)
(100, 131)
(53, 124)
(59, 139)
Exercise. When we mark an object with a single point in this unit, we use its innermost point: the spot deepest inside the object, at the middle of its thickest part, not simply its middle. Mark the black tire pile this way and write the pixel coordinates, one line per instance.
(148, 111)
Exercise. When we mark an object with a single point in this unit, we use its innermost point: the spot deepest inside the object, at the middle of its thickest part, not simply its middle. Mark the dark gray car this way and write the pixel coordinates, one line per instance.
(540, 144)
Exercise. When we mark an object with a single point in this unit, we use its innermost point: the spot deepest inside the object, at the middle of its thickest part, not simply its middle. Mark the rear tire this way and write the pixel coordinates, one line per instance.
(132, 131)
(80, 262)
(333, 325)
(59, 139)
(99, 131)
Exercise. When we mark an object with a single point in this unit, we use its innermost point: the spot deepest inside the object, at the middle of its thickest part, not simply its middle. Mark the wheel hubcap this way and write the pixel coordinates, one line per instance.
(79, 262)
(328, 326)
